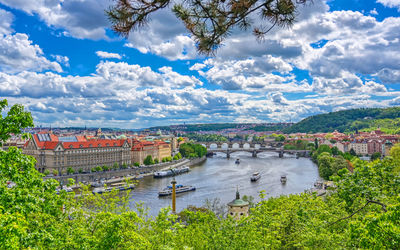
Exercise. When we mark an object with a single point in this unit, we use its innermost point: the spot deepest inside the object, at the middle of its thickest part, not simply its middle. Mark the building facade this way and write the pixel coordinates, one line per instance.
(52, 154)
(141, 149)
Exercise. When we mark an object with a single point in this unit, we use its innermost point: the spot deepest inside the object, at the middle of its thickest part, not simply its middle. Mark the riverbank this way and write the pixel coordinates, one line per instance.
(119, 175)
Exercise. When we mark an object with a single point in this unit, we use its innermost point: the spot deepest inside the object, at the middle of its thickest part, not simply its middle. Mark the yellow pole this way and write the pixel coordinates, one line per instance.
(173, 182)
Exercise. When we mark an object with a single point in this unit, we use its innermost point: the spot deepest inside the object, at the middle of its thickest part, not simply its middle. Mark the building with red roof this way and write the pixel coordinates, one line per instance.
(60, 153)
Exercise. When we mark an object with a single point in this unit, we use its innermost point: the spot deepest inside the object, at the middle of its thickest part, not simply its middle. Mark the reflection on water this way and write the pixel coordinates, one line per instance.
(218, 177)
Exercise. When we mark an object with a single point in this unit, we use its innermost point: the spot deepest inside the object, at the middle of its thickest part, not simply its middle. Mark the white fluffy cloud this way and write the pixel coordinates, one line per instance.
(6, 18)
(390, 3)
(104, 54)
(17, 53)
(79, 18)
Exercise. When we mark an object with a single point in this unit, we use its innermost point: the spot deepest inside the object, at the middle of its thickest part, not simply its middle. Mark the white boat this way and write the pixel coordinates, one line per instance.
(171, 172)
(100, 190)
(255, 176)
(65, 188)
(178, 189)
(283, 179)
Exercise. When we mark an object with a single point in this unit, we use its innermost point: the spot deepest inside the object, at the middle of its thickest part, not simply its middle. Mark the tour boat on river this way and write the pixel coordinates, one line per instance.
(178, 189)
(171, 172)
(255, 177)
(116, 186)
(283, 179)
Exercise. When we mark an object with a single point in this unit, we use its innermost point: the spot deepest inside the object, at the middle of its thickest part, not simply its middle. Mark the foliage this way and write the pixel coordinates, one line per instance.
(191, 150)
(346, 120)
(206, 138)
(156, 161)
(375, 156)
(70, 170)
(136, 164)
(299, 145)
(148, 160)
(15, 120)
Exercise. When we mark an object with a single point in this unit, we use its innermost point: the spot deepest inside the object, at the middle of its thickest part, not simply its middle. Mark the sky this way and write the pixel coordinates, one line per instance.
(61, 60)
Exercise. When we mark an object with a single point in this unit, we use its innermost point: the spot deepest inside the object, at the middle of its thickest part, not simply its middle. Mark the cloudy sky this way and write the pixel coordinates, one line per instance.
(60, 59)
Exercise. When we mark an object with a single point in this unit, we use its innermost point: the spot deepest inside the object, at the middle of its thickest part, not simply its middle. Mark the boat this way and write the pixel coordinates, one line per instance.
(255, 176)
(171, 172)
(65, 188)
(100, 190)
(237, 161)
(178, 189)
(283, 179)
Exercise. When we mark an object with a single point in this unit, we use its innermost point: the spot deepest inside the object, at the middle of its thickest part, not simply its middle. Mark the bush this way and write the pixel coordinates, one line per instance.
(55, 172)
(156, 161)
(80, 171)
(136, 164)
(46, 172)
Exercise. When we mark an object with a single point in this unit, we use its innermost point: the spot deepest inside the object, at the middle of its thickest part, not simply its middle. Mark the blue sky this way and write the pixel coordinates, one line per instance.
(61, 60)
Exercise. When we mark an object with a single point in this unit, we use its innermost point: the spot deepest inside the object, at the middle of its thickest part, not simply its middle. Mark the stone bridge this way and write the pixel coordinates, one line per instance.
(252, 147)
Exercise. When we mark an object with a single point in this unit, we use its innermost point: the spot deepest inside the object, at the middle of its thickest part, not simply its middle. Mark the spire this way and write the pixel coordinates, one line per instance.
(237, 193)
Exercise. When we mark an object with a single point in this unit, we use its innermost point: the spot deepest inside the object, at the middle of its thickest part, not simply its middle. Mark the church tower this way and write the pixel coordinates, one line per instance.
(238, 208)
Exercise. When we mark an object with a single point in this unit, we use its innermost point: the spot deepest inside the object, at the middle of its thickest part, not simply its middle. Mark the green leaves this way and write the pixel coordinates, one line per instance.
(15, 120)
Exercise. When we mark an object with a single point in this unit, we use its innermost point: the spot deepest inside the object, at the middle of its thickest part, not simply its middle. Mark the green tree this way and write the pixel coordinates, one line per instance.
(80, 171)
(352, 152)
(116, 165)
(148, 160)
(70, 170)
(375, 155)
(136, 164)
(156, 161)
(325, 162)
(15, 120)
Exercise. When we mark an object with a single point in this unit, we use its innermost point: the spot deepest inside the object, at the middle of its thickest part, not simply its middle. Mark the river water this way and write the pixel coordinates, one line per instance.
(218, 177)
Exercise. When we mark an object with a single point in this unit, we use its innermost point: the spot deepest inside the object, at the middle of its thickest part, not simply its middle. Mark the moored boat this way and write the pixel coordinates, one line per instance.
(255, 176)
(283, 179)
(178, 189)
(100, 190)
(171, 172)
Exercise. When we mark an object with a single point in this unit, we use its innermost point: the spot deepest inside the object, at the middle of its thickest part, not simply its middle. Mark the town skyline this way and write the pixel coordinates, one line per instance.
(61, 60)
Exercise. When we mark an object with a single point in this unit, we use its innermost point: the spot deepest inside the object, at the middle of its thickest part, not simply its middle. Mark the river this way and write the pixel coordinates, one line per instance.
(218, 177)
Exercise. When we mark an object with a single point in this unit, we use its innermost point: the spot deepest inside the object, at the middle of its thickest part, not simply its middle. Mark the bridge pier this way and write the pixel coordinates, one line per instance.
(254, 153)
(228, 154)
(281, 154)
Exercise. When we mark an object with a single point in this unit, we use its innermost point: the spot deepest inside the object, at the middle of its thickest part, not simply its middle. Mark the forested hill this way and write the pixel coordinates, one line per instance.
(343, 121)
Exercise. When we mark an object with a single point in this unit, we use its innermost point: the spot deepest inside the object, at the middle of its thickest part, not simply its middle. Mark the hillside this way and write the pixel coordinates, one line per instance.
(348, 120)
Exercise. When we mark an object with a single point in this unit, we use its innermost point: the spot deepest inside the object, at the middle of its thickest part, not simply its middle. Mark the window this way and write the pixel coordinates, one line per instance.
(231, 213)
(241, 213)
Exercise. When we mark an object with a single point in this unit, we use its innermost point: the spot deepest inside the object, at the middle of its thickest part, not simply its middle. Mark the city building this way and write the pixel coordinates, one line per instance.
(141, 149)
(59, 154)
(164, 150)
(359, 147)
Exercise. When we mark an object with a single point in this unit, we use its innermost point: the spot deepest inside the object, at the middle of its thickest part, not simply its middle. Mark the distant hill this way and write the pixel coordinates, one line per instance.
(347, 121)
(221, 126)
